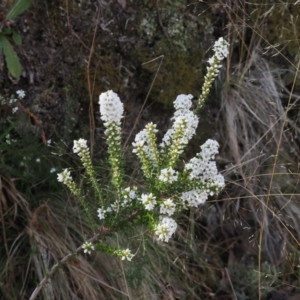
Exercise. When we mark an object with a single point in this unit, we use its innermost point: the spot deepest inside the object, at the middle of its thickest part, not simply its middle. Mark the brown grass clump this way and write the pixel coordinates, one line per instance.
(262, 198)
(260, 206)
(32, 242)
(14, 211)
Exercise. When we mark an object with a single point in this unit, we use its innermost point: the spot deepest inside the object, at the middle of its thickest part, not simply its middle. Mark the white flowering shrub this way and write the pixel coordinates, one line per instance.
(167, 189)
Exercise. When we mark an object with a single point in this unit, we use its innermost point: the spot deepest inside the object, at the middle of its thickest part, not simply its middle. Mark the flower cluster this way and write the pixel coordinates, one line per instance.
(64, 177)
(80, 147)
(194, 197)
(221, 48)
(173, 143)
(168, 175)
(52, 170)
(152, 150)
(109, 209)
(168, 207)
(21, 94)
(88, 247)
(221, 51)
(146, 149)
(183, 129)
(167, 191)
(124, 254)
(127, 255)
(201, 172)
(111, 107)
(12, 100)
(203, 169)
(101, 213)
(149, 201)
(111, 110)
(128, 195)
(9, 140)
(144, 153)
(165, 228)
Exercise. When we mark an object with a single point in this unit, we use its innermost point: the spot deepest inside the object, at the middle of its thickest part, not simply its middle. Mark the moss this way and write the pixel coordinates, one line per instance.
(176, 32)
(179, 74)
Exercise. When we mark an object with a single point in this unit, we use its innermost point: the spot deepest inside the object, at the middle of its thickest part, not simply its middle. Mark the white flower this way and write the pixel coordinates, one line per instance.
(168, 207)
(49, 142)
(151, 127)
(130, 192)
(142, 137)
(201, 167)
(183, 102)
(210, 170)
(209, 149)
(21, 94)
(218, 180)
(168, 175)
(211, 60)
(101, 213)
(80, 146)
(141, 140)
(111, 108)
(9, 140)
(138, 146)
(165, 229)
(184, 120)
(88, 247)
(149, 201)
(12, 100)
(221, 48)
(195, 167)
(115, 206)
(194, 197)
(126, 254)
(15, 109)
(52, 170)
(64, 176)
(38, 160)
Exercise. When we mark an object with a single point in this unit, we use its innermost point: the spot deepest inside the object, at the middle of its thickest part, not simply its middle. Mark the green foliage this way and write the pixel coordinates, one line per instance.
(11, 57)
(17, 8)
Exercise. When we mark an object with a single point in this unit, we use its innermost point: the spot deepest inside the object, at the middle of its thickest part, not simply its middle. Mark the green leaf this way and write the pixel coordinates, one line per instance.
(6, 31)
(16, 37)
(18, 7)
(11, 58)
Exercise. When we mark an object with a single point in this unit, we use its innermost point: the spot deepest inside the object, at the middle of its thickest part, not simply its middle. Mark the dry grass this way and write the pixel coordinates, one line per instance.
(34, 241)
(261, 201)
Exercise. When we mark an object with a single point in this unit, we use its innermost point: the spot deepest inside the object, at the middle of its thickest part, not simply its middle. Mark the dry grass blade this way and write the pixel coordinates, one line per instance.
(34, 242)
(14, 211)
(253, 116)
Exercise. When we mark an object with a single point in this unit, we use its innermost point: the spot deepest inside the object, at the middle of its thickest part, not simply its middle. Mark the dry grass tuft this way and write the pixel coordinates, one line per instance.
(32, 242)
(262, 198)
